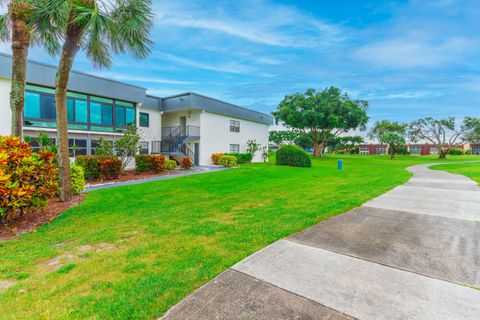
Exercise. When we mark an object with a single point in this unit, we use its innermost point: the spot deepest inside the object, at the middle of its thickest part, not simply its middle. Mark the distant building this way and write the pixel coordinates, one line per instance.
(373, 149)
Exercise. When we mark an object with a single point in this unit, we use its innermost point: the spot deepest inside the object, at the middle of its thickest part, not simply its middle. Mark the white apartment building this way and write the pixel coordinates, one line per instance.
(185, 124)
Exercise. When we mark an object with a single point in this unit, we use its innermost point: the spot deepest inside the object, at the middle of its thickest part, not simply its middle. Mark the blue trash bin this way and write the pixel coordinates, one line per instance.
(340, 165)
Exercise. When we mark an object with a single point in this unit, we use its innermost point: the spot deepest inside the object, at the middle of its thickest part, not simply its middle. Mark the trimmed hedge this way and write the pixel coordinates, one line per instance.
(94, 167)
(143, 163)
(228, 161)
(455, 152)
(241, 157)
(292, 156)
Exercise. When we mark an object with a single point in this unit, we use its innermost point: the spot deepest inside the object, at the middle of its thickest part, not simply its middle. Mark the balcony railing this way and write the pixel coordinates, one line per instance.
(179, 131)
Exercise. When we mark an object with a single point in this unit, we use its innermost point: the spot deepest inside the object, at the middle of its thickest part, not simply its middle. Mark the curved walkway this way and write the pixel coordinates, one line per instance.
(411, 253)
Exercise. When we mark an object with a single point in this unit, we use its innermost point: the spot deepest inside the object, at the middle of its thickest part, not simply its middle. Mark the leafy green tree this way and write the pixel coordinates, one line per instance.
(128, 145)
(100, 29)
(441, 132)
(323, 115)
(345, 143)
(472, 130)
(390, 132)
(281, 137)
(253, 147)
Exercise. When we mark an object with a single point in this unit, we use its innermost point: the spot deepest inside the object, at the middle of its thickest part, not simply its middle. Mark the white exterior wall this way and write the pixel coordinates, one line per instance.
(215, 136)
(154, 131)
(172, 119)
(5, 111)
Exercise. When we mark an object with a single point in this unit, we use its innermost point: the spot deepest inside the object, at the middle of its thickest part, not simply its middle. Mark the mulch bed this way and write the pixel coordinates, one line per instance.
(130, 175)
(31, 220)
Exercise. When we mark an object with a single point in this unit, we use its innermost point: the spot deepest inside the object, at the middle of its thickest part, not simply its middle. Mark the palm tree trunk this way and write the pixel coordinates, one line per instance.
(20, 44)
(70, 49)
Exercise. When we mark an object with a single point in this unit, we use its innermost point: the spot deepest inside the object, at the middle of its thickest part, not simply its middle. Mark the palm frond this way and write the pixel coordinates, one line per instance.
(4, 28)
(133, 24)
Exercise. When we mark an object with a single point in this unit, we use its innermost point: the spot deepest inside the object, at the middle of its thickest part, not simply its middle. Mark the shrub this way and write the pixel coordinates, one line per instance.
(143, 163)
(228, 161)
(157, 163)
(170, 164)
(110, 167)
(455, 152)
(78, 179)
(91, 169)
(292, 156)
(27, 180)
(354, 150)
(187, 162)
(216, 156)
(241, 157)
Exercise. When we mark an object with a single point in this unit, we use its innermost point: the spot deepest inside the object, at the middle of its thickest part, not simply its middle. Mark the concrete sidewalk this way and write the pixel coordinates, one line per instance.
(412, 253)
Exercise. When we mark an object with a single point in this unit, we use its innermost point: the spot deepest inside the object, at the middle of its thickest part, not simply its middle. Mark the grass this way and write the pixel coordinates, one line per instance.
(132, 252)
(471, 170)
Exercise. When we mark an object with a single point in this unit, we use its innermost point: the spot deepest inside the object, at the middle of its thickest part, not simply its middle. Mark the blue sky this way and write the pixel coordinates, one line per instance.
(409, 59)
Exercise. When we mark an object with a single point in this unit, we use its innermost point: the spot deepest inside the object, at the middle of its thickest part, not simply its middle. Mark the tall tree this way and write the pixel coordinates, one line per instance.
(281, 137)
(323, 115)
(390, 132)
(100, 29)
(345, 143)
(441, 132)
(472, 130)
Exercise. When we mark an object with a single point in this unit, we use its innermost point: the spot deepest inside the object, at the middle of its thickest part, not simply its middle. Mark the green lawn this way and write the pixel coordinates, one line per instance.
(132, 252)
(471, 170)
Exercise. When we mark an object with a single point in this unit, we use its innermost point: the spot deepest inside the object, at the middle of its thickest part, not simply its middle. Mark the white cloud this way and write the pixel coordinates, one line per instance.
(405, 95)
(144, 79)
(256, 21)
(218, 67)
(409, 52)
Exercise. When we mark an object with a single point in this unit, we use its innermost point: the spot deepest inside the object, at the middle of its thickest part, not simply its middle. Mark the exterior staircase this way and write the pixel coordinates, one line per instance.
(174, 141)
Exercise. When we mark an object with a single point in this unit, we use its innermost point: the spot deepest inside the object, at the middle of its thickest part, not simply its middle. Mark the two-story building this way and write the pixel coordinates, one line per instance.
(185, 124)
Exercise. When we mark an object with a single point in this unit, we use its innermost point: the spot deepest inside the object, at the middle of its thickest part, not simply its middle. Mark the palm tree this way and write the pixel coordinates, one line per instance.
(100, 29)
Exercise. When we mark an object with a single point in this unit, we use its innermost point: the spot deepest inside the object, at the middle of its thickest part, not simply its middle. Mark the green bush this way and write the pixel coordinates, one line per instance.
(170, 164)
(91, 170)
(227, 161)
(78, 179)
(292, 156)
(241, 157)
(143, 163)
(455, 152)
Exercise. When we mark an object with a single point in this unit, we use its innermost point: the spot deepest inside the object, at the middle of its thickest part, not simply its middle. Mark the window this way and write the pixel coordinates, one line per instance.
(101, 114)
(77, 111)
(39, 106)
(95, 144)
(476, 150)
(144, 119)
(364, 150)
(381, 150)
(77, 147)
(234, 148)
(143, 147)
(124, 116)
(433, 150)
(415, 150)
(234, 126)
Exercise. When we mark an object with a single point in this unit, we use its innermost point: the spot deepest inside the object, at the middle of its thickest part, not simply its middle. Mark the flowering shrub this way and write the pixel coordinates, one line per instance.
(187, 163)
(158, 163)
(170, 164)
(78, 179)
(228, 161)
(27, 180)
(110, 167)
(216, 156)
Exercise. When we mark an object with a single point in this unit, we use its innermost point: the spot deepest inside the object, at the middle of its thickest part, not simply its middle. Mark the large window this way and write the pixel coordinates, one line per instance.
(144, 119)
(39, 106)
(101, 114)
(364, 150)
(77, 147)
(381, 150)
(415, 150)
(234, 126)
(83, 112)
(77, 111)
(476, 150)
(234, 148)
